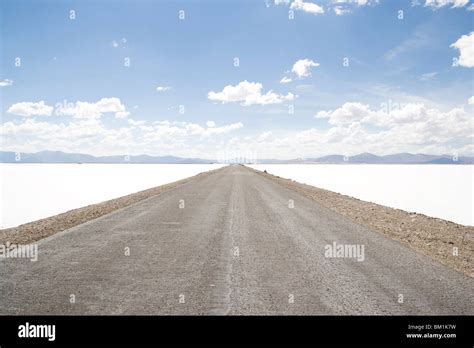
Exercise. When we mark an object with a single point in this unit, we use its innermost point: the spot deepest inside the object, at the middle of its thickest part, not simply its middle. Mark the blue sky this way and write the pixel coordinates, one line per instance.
(361, 75)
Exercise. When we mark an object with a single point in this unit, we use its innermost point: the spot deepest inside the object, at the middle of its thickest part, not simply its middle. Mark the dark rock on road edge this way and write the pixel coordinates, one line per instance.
(431, 236)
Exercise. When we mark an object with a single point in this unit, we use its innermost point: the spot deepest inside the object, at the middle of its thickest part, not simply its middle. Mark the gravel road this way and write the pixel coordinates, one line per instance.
(234, 242)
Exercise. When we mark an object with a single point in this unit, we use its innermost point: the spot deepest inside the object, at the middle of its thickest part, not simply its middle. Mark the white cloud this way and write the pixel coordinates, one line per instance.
(222, 130)
(340, 7)
(116, 43)
(85, 135)
(248, 93)
(398, 116)
(353, 127)
(285, 80)
(163, 88)
(46, 131)
(183, 131)
(302, 68)
(135, 122)
(92, 110)
(112, 105)
(78, 110)
(6, 83)
(122, 114)
(356, 127)
(264, 136)
(442, 3)
(357, 2)
(339, 10)
(346, 114)
(28, 127)
(428, 76)
(309, 7)
(418, 40)
(28, 109)
(92, 135)
(465, 45)
(470, 7)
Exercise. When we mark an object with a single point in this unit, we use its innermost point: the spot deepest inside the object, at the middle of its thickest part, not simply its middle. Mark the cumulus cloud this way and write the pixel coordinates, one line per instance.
(213, 130)
(436, 4)
(470, 101)
(285, 80)
(248, 93)
(302, 68)
(27, 109)
(409, 117)
(346, 114)
(264, 136)
(353, 127)
(6, 83)
(47, 131)
(465, 45)
(137, 136)
(179, 131)
(84, 135)
(340, 7)
(163, 88)
(356, 127)
(135, 122)
(309, 7)
(356, 2)
(339, 10)
(82, 109)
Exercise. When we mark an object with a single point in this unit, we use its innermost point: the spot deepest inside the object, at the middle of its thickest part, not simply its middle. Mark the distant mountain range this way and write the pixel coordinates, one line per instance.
(368, 158)
(63, 157)
(363, 158)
